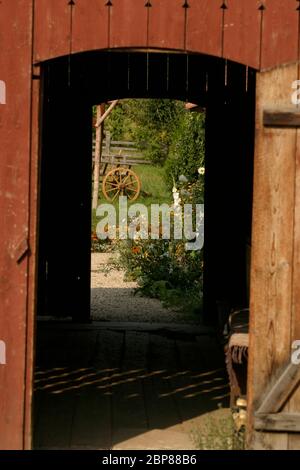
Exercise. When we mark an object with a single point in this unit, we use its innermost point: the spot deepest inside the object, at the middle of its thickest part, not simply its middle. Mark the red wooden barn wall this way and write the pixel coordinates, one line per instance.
(261, 34)
(257, 33)
(16, 282)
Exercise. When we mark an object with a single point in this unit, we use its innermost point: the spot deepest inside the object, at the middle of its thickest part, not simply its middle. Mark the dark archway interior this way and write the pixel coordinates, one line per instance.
(71, 85)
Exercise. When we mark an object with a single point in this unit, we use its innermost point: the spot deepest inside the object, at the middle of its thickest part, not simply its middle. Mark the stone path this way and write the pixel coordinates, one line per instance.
(112, 299)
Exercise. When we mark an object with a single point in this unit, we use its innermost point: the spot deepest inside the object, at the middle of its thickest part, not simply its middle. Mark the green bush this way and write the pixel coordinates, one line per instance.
(119, 123)
(217, 432)
(164, 270)
(187, 152)
(155, 122)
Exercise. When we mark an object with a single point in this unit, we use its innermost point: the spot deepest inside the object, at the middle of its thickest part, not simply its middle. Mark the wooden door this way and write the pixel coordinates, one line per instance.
(273, 381)
(18, 202)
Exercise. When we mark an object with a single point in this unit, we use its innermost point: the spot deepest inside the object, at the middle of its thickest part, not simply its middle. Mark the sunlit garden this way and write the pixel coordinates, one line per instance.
(171, 140)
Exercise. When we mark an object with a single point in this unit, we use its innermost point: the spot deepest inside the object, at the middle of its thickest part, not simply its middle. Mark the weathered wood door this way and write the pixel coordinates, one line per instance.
(273, 391)
(18, 209)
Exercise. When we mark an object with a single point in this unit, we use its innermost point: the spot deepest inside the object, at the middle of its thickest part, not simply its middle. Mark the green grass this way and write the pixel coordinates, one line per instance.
(153, 189)
(217, 432)
(153, 184)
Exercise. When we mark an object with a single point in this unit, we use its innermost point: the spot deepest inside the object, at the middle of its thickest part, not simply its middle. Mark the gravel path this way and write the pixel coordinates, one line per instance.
(114, 300)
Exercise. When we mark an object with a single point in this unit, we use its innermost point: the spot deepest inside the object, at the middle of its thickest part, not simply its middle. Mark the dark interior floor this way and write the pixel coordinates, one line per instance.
(124, 386)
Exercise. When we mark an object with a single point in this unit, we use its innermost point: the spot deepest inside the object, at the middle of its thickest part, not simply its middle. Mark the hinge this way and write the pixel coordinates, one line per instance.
(21, 250)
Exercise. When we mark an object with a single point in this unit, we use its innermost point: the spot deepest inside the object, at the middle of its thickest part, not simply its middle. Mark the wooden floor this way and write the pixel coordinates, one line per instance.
(120, 388)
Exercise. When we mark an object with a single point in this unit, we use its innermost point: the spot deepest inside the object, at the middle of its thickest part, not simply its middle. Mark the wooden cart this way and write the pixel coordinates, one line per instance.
(116, 174)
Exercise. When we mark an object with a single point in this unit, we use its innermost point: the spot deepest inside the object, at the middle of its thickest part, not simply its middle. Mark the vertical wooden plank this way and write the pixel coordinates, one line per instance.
(230, 113)
(280, 33)
(129, 415)
(171, 13)
(128, 27)
(107, 360)
(63, 139)
(294, 405)
(272, 248)
(204, 27)
(90, 26)
(91, 427)
(32, 271)
(52, 29)
(56, 415)
(92, 420)
(242, 21)
(161, 404)
(15, 123)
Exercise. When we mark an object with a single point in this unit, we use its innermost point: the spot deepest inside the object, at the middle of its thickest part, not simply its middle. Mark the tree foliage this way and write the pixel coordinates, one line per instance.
(119, 122)
(166, 133)
(155, 124)
(187, 152)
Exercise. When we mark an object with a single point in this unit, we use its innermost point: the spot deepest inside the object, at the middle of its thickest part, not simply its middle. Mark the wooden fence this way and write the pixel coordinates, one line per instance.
(118, 152)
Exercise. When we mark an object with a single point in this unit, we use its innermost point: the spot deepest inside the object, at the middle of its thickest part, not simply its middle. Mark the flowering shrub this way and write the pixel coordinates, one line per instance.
(164, 269)
(187, 151)
(100, 246)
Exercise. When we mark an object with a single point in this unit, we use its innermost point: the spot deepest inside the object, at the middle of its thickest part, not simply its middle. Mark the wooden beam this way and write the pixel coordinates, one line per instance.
(282, 117)
(101, 119)
(281, 390)
(281, 422)
(98, 152)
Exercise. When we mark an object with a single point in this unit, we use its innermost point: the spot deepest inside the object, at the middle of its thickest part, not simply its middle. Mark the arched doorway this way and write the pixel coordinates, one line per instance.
(71, 85)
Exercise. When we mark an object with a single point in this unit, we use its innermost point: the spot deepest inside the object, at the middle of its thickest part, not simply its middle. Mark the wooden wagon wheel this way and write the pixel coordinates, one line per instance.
(121, 182)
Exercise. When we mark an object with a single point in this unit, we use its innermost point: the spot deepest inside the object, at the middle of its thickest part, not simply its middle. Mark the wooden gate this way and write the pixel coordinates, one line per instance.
(273, 392)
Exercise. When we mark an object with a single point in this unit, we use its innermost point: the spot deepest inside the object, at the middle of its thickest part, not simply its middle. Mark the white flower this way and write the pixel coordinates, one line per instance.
(201, 170)
(177, 200)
